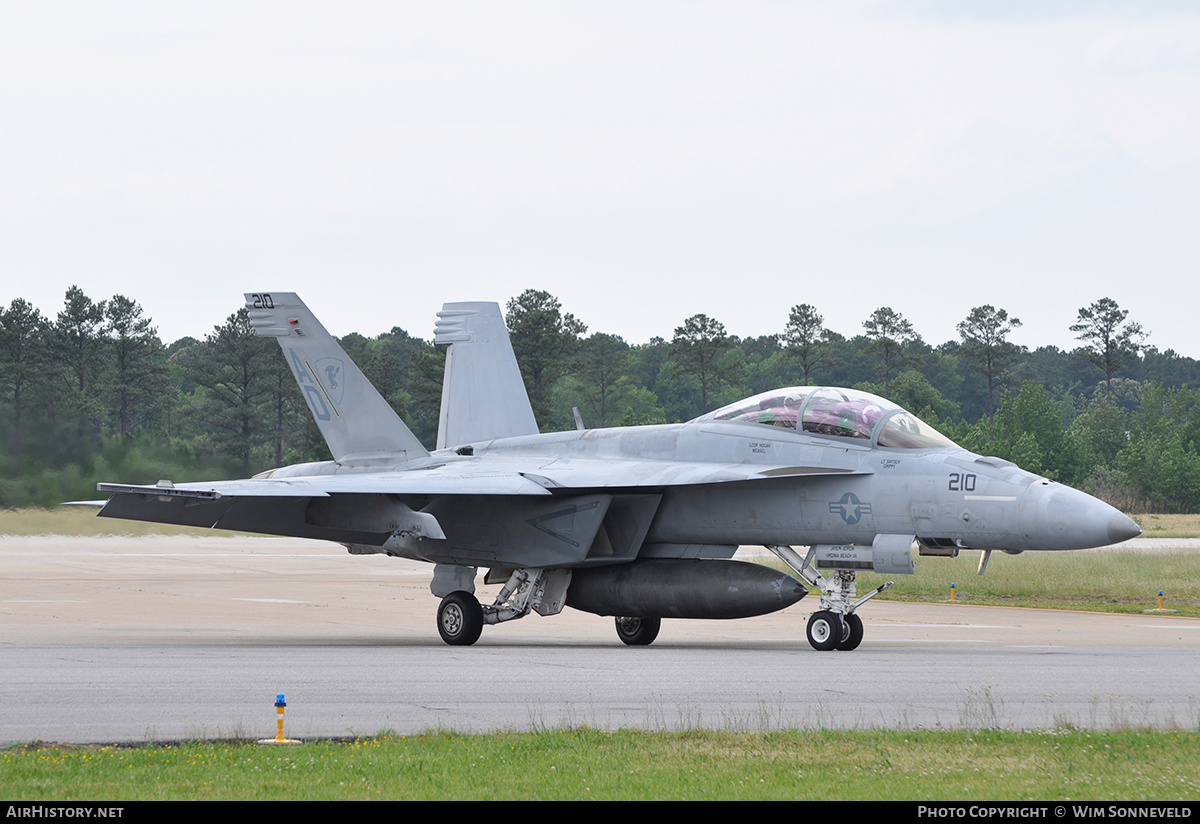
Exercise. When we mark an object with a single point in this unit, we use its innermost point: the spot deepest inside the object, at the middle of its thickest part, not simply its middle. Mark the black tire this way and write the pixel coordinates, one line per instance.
(853, 634)
(638, 632)
(460, 619)
(824, 630)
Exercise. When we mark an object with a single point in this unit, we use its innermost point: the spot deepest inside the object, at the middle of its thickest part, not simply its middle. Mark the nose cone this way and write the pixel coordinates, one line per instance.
(1122, 528)
(1059, 517)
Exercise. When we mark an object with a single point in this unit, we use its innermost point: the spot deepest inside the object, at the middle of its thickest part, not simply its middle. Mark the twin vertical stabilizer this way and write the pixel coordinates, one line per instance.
(355, 420)
(483, 394)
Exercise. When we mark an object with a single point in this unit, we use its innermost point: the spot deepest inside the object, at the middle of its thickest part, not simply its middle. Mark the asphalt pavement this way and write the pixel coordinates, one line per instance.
(163, 638)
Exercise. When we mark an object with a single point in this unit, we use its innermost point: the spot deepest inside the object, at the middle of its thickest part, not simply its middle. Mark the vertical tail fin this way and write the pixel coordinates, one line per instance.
(483, 394)
(355, 420)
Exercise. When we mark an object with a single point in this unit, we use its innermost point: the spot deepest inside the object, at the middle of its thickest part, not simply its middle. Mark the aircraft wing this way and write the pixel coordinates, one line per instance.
(502, 494)
(518, 477)
(592, 474)
(417, 482)
(348, 508)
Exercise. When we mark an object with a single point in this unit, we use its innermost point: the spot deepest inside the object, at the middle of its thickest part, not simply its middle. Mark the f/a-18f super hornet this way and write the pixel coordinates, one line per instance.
(640, 523)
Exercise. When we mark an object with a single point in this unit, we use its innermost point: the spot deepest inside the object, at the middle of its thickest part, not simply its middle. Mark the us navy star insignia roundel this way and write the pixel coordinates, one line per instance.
(850, 508)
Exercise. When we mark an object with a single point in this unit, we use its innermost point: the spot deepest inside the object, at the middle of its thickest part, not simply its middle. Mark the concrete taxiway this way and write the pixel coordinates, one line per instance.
(116, 639)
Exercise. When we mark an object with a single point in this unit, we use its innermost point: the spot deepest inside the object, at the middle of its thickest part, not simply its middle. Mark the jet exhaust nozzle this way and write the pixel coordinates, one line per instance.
(663, 588)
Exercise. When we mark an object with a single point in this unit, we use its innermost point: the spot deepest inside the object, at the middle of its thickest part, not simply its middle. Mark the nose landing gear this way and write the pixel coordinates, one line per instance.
(835, 625)
(824, 629)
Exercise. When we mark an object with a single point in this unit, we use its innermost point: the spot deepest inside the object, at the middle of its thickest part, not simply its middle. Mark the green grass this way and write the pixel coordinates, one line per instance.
(1169, 526)
(82, 521)
(1107, 581)
(573, 764)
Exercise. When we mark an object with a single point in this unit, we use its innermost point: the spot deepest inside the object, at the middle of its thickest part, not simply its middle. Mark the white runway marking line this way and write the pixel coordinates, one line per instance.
(44, 601)
(263, 555)
(1173, 626)
(247, 554)
(936, 641)
(1035, 646)
(943, 626)
(273, 601)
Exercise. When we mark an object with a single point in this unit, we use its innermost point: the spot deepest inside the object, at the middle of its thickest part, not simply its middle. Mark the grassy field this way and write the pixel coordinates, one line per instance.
(577, 764)
(1095, 581)
(1169, 526)
(82, 521)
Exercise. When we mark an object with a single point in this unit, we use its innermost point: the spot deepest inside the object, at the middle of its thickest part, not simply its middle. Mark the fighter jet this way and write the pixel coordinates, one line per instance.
(639, 523)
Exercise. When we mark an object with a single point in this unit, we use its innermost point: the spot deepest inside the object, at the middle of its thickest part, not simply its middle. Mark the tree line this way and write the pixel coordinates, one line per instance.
(92, 393)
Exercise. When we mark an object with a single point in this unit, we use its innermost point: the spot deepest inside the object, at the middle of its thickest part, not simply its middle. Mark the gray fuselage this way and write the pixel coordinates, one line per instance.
(939, 495)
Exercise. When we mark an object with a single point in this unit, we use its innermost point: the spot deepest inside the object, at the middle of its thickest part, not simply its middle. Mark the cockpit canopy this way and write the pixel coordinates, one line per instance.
(843, 413)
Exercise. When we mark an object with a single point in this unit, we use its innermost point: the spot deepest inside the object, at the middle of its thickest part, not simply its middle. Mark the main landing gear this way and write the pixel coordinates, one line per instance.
(638, 632)
(835, 625)
(461, 617)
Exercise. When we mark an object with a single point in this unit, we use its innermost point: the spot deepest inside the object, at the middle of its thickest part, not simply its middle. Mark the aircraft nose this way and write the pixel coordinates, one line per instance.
(1122, 528)
(1059, 517)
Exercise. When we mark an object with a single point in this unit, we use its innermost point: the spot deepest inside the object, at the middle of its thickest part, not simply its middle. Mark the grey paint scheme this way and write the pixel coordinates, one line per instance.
(497, 494)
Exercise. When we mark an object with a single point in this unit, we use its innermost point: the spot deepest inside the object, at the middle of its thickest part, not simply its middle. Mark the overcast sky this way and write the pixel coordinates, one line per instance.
(642, 161)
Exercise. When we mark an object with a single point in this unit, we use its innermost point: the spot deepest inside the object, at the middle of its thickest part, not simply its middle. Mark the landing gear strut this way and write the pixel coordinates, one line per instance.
(835, 625)
(461, 617)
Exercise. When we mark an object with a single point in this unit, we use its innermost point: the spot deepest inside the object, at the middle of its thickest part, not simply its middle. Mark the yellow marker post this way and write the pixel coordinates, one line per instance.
(280, 705)
(952, 592)
(1161, 610)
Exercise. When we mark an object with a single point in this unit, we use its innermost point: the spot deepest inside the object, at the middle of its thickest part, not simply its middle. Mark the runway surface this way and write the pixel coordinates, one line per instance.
(128, 639)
